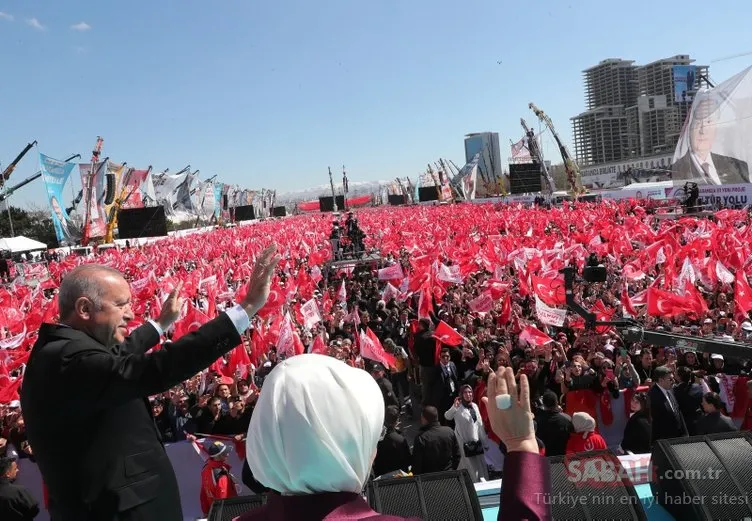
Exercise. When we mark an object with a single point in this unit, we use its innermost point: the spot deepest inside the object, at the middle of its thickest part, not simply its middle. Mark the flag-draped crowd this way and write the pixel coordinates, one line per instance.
(486, 277)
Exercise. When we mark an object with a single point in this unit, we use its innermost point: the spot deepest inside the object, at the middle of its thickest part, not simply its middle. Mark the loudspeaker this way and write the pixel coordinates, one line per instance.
(224, 202)
(326, 204)
(279, 211)
(524, 178)
(704, 477)
(441, 496)
(142, 222)
(109, 195)
(229, 509)
(427, 193)
(245, 213)
(599, 483)
(396, 200)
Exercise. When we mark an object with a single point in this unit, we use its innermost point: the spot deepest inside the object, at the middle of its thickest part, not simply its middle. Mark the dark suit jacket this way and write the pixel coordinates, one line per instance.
(713, 423)
(16, 503)
(528, 480)
(666, 423)
(689, 397)
(442, 386)
(392, 454)
(553, 428)
(90, 425)
(730, 170)
(637, 433)
(435, 449)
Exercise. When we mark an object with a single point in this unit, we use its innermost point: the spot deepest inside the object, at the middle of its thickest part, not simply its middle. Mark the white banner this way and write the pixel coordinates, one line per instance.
(450, 274)
(393, 272)
(311, 313)
(548, 315)
(716, 144)
(727, 195)
(482, 304)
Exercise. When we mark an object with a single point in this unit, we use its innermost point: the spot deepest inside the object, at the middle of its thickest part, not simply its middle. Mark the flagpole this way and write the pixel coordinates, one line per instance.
(334, 196)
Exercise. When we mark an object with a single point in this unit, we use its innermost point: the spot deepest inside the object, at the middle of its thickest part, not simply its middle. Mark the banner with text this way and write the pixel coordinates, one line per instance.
(55, 174)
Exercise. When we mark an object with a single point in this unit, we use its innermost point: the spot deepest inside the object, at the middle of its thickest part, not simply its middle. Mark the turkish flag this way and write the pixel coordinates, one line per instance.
(742, 294)
(447, 334)
(664, 304)
(549, 289)
(534, 336)
(192, 320)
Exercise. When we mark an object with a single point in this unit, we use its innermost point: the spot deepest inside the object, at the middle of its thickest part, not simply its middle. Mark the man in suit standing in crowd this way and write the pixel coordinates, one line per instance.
(668, 421)
(713, 421)
(446, 386)
(436, 448)
(86, 387)
(699, 163)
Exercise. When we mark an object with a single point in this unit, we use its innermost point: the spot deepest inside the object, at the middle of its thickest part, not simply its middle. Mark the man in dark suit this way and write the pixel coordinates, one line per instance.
(445, 386)
(667, 418)
(393, 451)
(436, 448)
(689, 396)
(699, 163)
(86, 387)
(713, 421)
(16, 503)
(553, 426)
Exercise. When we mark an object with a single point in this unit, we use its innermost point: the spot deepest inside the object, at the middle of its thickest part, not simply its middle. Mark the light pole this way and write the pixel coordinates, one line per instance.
(334, 196)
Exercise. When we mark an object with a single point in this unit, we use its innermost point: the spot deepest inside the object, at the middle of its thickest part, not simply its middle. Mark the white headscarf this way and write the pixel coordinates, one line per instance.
(315, 427)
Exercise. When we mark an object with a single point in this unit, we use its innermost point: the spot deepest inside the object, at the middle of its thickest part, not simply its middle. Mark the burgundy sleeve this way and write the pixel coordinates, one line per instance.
(526, 481)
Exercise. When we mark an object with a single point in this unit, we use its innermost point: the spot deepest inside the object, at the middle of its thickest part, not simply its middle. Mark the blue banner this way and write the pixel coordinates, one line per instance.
(55, 174)
(218, 189)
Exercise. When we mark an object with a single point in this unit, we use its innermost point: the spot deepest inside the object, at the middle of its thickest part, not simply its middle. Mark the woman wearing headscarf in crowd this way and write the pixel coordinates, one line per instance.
(584, 438)
(471, 435)
(637, 431)
(318, 458)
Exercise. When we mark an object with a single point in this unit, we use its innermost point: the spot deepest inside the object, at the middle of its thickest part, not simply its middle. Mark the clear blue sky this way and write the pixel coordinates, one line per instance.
(268, 94)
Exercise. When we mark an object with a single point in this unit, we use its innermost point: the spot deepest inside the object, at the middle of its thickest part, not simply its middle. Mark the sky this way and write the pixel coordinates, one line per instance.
(269, 94)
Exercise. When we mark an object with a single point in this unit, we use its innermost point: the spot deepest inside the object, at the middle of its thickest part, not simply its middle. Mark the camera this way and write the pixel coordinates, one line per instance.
(593, 270)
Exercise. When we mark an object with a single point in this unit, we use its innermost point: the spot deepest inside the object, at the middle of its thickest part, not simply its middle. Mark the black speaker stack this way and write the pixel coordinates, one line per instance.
(397, 199)
(442, 496)
(427, 193)
(279, 211)
(142, 222)
(524, 178)
(245, 213)
(326, 204)
(229, 509)
(704, 477)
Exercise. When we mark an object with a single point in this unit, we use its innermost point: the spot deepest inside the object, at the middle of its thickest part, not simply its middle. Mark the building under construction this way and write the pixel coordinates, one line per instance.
(634, 111)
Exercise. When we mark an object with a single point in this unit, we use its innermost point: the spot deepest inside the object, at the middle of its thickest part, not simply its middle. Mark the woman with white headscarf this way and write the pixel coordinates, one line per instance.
(314, 433)
(471, 435)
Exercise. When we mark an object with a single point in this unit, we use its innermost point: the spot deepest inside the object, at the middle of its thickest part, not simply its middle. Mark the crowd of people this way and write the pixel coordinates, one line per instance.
(459, 292)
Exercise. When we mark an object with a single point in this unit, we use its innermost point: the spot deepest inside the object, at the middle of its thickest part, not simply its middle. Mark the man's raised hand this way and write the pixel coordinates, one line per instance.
(261, 280)
(171, 308)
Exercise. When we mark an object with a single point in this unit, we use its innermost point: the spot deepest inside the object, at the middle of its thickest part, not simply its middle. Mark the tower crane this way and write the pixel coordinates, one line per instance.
(573, 171)
(12, 166)
(537, 155)
(89, 187)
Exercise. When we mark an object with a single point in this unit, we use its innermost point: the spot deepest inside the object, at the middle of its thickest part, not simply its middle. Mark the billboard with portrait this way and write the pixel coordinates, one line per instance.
(715, 146)
(55, 173)
(685, 82)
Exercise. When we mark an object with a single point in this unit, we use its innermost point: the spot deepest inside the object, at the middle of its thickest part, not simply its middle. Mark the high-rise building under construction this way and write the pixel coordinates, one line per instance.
(634, 110)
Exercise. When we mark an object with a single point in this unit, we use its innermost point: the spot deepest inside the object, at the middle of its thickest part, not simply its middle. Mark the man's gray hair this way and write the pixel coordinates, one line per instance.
(80, 282)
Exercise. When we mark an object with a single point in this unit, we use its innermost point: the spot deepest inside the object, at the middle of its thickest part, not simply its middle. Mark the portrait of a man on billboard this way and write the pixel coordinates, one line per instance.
(700, 163)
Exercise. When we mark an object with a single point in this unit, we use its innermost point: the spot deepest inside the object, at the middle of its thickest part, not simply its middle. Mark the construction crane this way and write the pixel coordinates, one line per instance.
(5, 194)
(12, 166)
(573, 171)
(537, 155)
(89, 187)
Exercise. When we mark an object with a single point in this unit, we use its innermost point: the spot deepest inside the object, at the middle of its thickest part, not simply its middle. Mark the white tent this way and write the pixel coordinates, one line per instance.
(21, 244)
